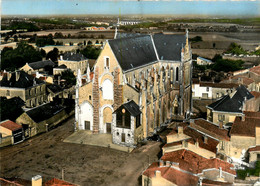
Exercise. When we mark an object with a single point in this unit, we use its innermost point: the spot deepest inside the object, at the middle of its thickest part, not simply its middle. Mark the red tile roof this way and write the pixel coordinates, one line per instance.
(171, 174)
(58, 182)
(246, 127)
(194, 163)
(255, 70)
(4, 182)
(219, 85)
(210, 129)
(210, 145)
(256, 148)
(10, 125)
(255, 94)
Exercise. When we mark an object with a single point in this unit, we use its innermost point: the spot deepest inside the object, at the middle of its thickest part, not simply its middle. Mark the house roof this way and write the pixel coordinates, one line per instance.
(194, 163)
(171, 174)
(246, 127)
(41, 64)
(24, 81)
(57, 182)
(136, 51)
(210, 129)
(10, 125)
(126, 35)
(255, 69)
(44, 112)
(204, 59)
(169, 46)
(131, 107)
(54, 88)
(232, 103)
(255, 94)
(69, 56)
(218, 85)
(252, 149)
(61, 67)
(196, 136)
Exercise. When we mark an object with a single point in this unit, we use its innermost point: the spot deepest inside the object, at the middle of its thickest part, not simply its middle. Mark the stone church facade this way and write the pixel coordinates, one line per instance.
(137, 85)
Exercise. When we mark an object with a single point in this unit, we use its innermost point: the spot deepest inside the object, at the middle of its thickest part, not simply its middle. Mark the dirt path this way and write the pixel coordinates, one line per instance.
(47, 155)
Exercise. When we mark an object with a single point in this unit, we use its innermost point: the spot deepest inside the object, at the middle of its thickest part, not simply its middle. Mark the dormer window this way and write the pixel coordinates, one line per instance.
(107, 63)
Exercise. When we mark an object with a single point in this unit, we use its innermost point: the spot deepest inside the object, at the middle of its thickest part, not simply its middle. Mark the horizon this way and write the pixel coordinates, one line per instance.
(130, 8)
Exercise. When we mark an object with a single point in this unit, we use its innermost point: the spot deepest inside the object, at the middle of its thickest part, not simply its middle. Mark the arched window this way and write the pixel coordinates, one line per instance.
(177, 73)
(107, 89)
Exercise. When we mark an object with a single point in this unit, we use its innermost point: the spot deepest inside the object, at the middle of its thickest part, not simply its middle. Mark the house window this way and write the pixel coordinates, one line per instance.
(221, 117)
(207, 89)
(258, 157)
(107, 63)
(123, 119)
(89, 97)
(217, 95)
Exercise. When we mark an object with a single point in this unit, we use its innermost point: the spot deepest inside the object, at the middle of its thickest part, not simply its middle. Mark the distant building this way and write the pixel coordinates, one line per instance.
(59, 69)
(20, 84)
(211, 90)
(203, 61)
(74, 61)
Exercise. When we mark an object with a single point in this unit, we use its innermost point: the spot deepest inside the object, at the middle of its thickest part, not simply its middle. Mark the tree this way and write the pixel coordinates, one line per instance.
(53, 55)
(69, 77)
(15, 38)
(12, 59)
(91, 52)
(234, 48)
(226, 65)
(6, 38)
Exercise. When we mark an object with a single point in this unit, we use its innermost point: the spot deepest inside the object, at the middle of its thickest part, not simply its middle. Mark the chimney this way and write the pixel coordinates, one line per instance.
(158, 173)
(17, 75)
(243, 117)
(9, 75)
(161, 163)
(180, 130)
(197, 142)
(37, 180)
(61, 57)
(205, 138)
(221, 124)
(168, 163)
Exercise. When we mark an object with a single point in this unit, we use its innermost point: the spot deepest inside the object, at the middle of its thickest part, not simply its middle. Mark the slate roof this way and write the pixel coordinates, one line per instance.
(25, 80)
(169, 46)
(44, 112)
(126, 35)
(131, 107)
(61, 67)
(252, 149)
(134, 51)
(54, 88)
(231, 103)
(10, 125)
(69, 56)
(41, 64)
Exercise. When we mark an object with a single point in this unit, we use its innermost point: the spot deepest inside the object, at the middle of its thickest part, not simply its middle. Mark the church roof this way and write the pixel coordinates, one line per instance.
(137, 50)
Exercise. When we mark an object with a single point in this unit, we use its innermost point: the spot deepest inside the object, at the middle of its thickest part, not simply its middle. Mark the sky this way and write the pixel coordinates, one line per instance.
(140, 7)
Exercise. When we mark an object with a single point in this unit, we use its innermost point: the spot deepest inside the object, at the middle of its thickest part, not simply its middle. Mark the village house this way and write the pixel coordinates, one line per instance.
(10, 133)
(42, 118)
(19, 84)
(59, 69)
(224, 110)
(245, 136)
(39, 66)
(73, 61)
(203, 61)
(152, 72)
(212, 90)
(184, 167)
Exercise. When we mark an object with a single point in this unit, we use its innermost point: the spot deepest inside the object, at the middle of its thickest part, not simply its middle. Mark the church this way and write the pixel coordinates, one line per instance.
(138, 84)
